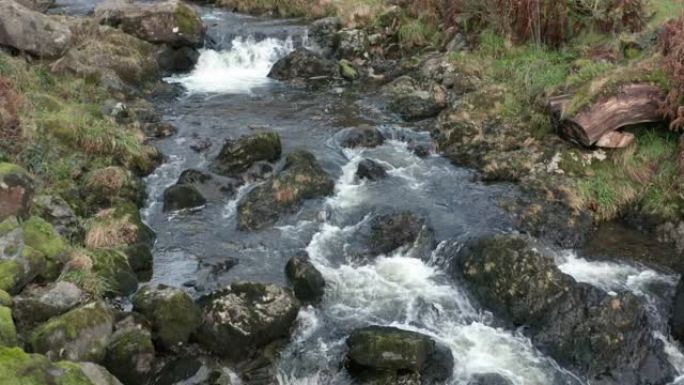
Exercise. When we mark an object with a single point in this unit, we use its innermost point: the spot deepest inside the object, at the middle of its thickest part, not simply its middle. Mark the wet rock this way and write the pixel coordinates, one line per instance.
(201, 145)
(174, 60)
(58, 212)
(420, 150)
(348, 71)
(32, 32)
(182, 196)
(19, 263)
(352, 43)
(237, 156)
(362, 136)
(140, 259)
(677, 318)
(159, 130)
(489, 379)
(16, 191)
(303, 64)
(111, 265)
(606, 338)
(170, 22)
(308, 282)
(324, 33)
(117, 227)
(173, 313)
(380, 349)
(108, 186)
(178, 370)
(415, 100)
(301, 179)
(245, 317)
(118, 61)
(8, 331)
(389, 232)
(81, 334)
(25, 368)
(130, 353)
(37, 304)
(371, 170)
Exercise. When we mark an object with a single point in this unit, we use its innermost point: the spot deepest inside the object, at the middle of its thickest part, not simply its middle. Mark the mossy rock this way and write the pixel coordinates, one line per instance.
(112, 266)
(12, 276)
(130, 355)
(16, 191)
(5, 299)
(19, 263)
(37, 304)
(106, 186)
(41, 236)
(8, 332)
(81, 334)
(174, 315)
(237, 156)
(140, 259)
(348, 71)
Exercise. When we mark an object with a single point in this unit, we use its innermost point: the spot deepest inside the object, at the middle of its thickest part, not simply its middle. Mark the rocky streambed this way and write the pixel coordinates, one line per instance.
(308, 231)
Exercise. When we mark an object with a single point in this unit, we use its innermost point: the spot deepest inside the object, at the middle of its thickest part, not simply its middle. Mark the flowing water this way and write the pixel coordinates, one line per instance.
(228, 95)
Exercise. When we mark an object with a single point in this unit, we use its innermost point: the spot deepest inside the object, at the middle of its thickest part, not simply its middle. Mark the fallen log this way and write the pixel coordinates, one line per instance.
(631, 104)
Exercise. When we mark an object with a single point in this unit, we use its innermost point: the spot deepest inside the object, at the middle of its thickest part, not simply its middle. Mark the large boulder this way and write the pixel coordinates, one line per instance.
(362, 136)
(33, 32)
(307, 281)
(173, 314)
(414, 100)
(37, 304)
(81, 334)
(39, 235)
(606, 338)
(115, 59)
(22, 368)
(182, 196)
(171, 22)
(130, 353)
(60, 215)
(388, 349)
(19, 263)
(237, 156)
(112, 266)
(303, 64)
(389, 232)
(301, 179)
(16, 191)
(246, 316)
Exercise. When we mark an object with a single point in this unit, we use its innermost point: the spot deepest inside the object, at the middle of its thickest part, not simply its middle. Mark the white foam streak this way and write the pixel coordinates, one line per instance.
(240, 69)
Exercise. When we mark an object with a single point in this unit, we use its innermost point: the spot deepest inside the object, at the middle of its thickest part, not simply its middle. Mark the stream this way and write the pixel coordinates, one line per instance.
(228, 95)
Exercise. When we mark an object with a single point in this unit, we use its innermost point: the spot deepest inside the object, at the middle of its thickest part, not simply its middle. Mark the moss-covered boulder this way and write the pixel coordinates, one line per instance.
(81, 334)
(112, 267)
(36, 304)
(604, 337)
(20, 368)
(387, 349)
(237, 156)
(42, 237)
(16, 191)
(301, 179)
(307, 281)
(107, 186)
(303, 64)
(121, 226)
(173, 314)
(171, 22)
(19, 263)
(130, 354)
(32, 32)
(6, 299)
(60, 215)
(414, 100)
(117, 60)
(182, 196)
(245, 317)
(8, 331)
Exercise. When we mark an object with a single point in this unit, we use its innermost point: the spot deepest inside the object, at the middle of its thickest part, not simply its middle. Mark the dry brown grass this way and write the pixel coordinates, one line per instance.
(107, 231)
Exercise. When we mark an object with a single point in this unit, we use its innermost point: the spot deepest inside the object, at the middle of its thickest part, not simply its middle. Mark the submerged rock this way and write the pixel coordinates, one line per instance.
(16, 191)
(37, 304)
(301, 179)
(371, 170)
(245, 317)
(388, 349)
(606, 338)
(489, 379)
(173, 313)
(389, 232)
(362, 136)
(308, 282)
(413, 100)
(303, 64)
(182, 196)
(237, 156)
(81, 334)
(33, 32)
(171, 22)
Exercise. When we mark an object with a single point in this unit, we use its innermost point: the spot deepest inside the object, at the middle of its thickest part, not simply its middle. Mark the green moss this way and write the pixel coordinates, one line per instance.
(11, 274)
(8, 332)
(111, 266)
(173, 313)
(347, 70)
(9, 168)
(40, 235)
(8, 225)
(5, 299)
(23, 368)
(187, 20)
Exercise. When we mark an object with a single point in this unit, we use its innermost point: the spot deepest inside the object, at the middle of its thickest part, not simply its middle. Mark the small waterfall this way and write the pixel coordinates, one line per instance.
(239, 69)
